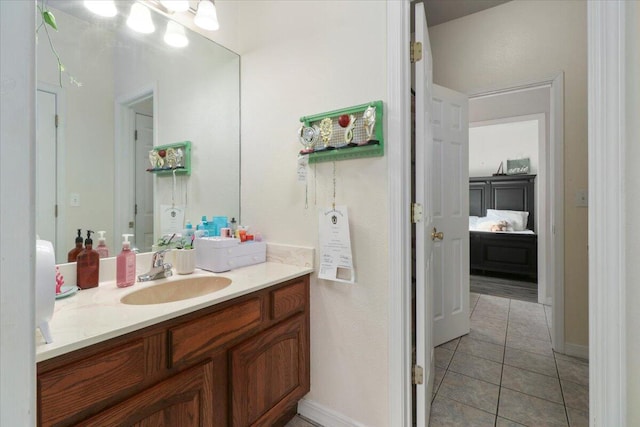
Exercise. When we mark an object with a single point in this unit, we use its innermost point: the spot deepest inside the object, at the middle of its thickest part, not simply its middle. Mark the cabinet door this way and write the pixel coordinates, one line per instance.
(183, 400)
(270, 373)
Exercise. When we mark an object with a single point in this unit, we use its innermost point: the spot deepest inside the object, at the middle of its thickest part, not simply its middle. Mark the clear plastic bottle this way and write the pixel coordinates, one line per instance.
(126, 264)
(102, 248)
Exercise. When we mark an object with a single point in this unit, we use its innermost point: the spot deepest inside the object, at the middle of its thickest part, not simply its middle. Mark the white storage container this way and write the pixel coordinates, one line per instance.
(223, 254)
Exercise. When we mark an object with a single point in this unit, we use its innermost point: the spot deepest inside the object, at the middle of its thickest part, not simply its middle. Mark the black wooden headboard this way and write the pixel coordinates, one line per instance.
(510, 192)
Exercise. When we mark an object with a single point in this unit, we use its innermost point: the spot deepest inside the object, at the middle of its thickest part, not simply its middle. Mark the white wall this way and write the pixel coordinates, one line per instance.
(302, 58)
(17, 195)
(489, 145)
(632, 213)
(87, 125)
(522, 41)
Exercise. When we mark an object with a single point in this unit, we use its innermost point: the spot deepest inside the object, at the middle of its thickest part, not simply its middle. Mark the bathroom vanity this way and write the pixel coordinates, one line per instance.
(238, 357)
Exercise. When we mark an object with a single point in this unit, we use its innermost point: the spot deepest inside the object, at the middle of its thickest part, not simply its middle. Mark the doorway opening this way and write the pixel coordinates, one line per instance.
(135, 137)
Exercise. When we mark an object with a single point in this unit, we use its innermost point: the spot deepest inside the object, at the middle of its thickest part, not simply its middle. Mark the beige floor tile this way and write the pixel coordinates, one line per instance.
(437, 380)
(490, 335)
(575, 395)
(576, 372)
(530, 361)
(524, 317)
(530, 410)
(503, 422)
(476, 367)
(482, 349)
(530, 330)
(532, 383)
(578, 418)
(449, 413)
(451, 345)
(443, 357)
(530, 344)
(298, 421)
(470, 391)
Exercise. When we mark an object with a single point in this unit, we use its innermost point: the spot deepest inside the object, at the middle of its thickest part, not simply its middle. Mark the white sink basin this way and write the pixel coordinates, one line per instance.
(176, 290)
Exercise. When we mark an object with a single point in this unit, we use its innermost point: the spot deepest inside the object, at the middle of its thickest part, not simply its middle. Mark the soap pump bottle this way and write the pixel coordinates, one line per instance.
(102, 248)
(72, 256)
(126, 264)
(88, 265)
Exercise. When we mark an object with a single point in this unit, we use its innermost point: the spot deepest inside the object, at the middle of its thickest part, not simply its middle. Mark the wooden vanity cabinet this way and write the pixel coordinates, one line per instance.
(241, 363)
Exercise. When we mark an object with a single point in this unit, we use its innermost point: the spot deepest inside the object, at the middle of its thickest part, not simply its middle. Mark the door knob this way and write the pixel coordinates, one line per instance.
(437, 235)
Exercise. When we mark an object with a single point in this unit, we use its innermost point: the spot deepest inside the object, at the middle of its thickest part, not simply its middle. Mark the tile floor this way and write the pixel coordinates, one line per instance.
(504, 373)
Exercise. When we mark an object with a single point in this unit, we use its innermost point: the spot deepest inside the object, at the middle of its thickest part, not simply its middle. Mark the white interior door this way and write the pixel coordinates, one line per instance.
(424, 244)
(450, 178)
(144, 183)
(46, 166)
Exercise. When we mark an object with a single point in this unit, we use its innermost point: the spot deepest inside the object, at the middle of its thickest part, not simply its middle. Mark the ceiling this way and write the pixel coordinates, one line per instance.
(440, 11)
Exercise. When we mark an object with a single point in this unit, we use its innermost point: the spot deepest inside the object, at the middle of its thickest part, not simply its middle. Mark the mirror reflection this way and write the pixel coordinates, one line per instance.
(121, 93)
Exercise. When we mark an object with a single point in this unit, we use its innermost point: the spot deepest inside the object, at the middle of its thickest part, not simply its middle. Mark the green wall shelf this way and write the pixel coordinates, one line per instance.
(179, 161)
(342, 151)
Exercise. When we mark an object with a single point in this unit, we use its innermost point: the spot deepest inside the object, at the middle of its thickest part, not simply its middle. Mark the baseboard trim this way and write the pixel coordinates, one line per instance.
(324, 416)
(576, 350)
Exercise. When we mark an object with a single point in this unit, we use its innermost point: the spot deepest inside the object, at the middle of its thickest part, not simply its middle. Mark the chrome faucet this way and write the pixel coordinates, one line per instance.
(159, 269)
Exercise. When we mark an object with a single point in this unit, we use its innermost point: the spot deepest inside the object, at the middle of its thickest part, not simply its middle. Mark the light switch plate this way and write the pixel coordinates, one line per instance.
(74, 199)
(582, 198)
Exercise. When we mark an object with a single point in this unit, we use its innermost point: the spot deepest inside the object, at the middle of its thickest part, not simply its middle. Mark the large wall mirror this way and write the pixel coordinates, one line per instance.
(120, 94)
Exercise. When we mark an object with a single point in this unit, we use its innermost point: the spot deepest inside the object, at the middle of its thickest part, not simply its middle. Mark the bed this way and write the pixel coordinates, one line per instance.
(514, 251)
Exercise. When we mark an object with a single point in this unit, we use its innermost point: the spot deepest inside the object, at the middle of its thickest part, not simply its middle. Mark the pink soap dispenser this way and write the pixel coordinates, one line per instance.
(126, 264)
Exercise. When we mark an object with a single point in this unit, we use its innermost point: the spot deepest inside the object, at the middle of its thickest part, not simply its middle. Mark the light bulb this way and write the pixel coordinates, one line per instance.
(206, 17)
(140, 19)
(175, 5)
(175, 36)
(106, 8)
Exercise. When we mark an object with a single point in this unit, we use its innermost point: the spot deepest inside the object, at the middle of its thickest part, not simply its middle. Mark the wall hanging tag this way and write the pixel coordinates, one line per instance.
(336, 261)
(171, 219)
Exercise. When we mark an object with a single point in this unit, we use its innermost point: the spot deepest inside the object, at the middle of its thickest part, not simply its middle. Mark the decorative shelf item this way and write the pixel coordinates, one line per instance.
(348, 133)
(171, 158)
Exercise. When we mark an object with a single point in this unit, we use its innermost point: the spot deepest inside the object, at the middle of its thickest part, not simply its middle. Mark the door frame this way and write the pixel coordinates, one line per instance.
(61, 188)
(398, 129)
(124, 155)
(553, 154)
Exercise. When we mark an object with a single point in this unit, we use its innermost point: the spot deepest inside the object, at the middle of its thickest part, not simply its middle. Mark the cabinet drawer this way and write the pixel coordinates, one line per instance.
(195, 339)
(73, 388)
(288, 300)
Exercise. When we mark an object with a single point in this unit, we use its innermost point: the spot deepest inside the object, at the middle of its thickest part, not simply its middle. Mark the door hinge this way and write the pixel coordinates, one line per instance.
(417, 374)
(56, 121)
(416, 213)
(135, 209)
(135, 135)
(415, 52)
(131, 224)
(56, 210)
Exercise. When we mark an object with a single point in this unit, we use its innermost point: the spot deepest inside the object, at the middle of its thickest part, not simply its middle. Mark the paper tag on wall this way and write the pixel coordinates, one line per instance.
(303, 167)
(171, 219)
(336, 261)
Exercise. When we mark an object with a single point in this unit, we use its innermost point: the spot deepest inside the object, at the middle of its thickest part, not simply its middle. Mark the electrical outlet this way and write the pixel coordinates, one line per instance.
(582, 198)
(74, 199)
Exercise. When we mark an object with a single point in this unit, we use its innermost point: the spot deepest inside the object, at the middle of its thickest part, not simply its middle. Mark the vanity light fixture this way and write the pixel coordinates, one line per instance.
(106, 8)
(175, 36)
(206, 16)
(175, 5)
(140, 19)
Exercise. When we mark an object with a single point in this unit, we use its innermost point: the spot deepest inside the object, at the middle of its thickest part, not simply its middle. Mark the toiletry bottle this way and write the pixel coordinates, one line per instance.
(102, 248)
(126, 264)
(204, 226)
(72, 256)
(88, 265)
(233, 225)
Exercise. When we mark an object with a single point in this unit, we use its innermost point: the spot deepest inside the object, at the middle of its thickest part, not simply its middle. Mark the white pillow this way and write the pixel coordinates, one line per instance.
(517, 219)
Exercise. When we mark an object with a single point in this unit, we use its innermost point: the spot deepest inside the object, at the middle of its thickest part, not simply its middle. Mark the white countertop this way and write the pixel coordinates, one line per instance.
(95, 315)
